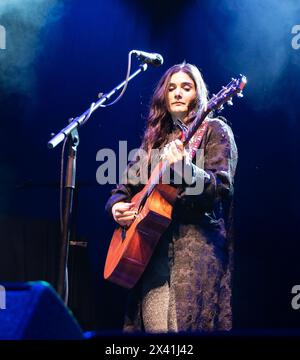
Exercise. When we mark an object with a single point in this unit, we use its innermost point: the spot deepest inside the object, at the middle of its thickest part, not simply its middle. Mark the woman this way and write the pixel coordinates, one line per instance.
(187, 283)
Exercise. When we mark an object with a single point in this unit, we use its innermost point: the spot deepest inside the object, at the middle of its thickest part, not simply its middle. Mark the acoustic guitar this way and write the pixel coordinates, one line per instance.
(131, 248)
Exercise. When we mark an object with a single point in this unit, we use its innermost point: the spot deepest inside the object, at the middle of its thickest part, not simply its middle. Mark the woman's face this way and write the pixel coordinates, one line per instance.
(180, 93)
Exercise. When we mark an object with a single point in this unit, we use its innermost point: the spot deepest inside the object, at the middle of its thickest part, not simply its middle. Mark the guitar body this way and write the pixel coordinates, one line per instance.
(130, 250)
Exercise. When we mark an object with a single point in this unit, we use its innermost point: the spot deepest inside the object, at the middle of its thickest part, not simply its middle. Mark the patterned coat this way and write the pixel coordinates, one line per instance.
(187, 283)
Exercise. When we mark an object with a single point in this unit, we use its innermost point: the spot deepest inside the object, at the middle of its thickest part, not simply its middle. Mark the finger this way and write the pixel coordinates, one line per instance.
(126, 205)
(180, 149)
(176, 153)
(171, 157)
(179, 144)
(132, 205)
(122, 208)
(172, 153)
(126, 218)
(126, 213)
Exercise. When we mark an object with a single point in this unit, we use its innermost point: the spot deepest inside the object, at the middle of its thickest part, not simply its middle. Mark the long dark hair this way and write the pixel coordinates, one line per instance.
(159, 122)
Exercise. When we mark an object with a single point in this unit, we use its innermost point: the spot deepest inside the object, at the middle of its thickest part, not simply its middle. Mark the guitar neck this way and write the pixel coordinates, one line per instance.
(194, 127)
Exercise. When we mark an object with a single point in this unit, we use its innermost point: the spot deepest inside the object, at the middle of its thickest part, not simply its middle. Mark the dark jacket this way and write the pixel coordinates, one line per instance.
(194, 255)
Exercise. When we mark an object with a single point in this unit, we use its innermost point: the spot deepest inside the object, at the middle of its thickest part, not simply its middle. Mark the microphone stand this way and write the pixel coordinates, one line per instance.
(71, 132)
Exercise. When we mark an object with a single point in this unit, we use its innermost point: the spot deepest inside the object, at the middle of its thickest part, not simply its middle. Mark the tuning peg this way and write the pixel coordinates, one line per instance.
(229, 102)
(240, 95)
(220, 108)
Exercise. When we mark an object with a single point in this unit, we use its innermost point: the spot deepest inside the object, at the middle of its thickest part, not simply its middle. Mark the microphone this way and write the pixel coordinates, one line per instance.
(149, 58)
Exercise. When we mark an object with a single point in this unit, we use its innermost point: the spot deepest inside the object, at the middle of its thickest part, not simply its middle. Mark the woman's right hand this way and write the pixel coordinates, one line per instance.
(124, 213)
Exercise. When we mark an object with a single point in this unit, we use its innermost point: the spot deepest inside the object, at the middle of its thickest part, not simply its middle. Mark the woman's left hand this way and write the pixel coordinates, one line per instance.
(174, 151)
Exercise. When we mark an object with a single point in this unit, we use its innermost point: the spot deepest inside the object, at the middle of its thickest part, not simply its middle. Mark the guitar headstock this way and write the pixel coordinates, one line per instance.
(225, 95)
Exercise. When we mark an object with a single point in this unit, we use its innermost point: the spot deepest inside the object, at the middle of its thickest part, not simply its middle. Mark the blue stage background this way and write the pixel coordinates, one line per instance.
(60, 54)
